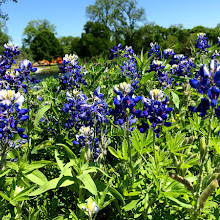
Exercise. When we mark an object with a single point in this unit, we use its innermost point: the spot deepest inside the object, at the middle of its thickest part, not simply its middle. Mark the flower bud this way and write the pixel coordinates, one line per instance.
(207, 192)
(202, 146)
(191, 139)
(211, 178)
(185, 141)
(180, 179)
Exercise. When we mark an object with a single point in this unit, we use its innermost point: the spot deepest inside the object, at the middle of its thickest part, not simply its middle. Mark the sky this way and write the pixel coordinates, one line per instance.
(69, 16)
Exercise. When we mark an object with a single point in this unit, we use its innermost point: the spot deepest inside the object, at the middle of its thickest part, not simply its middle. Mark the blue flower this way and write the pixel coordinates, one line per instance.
(202, 108)
(155, 110)
(202, 43)
(213, 94)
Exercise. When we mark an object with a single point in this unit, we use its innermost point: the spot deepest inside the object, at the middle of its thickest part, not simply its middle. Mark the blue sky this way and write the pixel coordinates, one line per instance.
(69, 16)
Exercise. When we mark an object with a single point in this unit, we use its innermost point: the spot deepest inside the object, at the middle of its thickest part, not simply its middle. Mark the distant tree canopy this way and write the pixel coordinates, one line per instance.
(4, 38)
(34, 27)
(46, 46)
(95, 40)
(3, 15)
(70, 44)
(121, 17)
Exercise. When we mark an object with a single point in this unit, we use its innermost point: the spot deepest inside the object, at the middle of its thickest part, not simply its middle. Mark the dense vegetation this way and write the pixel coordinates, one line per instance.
(133, 137)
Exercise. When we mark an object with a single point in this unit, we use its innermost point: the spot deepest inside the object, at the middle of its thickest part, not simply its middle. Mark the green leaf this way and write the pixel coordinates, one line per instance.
(59, 161)
(23, 195)
(147, 77)
(37, 177)
(88, 183)
(125, 149)
(185, 205)
(113, 152)
(4, 196)
(52, 184)
(216, 146)
(131, 205)
(68, 151)
(4, 172)
(40, 114)
(36, 165)
(101, 186)
(138, 61)
(74, 217)
(176, 99)
(58, 218)
(101, 202)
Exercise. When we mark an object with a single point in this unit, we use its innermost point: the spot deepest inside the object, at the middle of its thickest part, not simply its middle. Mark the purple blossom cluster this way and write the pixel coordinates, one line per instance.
(155, 112)
(202, 43)
(84, 114)
(155, 50)
(72, 73)
(124, 103)
(207, 82)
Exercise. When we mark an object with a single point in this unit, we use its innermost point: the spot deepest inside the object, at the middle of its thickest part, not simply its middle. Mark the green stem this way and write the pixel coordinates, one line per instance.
(203, 161)
(154, 148)
(129, 151)
(28, 143)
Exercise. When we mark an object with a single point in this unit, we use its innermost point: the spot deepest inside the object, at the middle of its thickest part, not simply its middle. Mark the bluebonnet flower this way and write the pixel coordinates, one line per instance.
(124, 101)
(156, 65)
(202, 43)
(202, 108)
(11, 49)
(215, 55)
(115, 52)
(183, 68)
(11, 102)
(75, 73)
(129, 69)
(168, 53)
(90, 207)
(10, 123)
(177, 58)
(208, 83)
(155, 50)
(155, 110)
(86, 139)
(26, 69)
(207, 76)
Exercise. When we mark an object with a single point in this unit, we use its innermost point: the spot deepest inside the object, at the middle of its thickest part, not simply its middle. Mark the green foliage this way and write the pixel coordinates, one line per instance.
(45, 46)
(4, 38)
(70, 44)
(95, 41)
(3, 15)
(35, 27)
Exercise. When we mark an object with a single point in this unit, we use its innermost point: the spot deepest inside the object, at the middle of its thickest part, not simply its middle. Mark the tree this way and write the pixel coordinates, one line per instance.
(4, 38)
(102, 11)
(45, 46)
(70, 44)
(3, 15)
(34, 27)
(95, 41)
(120, 16)
(131, 16)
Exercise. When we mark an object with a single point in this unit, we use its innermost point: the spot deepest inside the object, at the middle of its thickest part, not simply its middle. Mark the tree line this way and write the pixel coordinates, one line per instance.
(110, 22)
